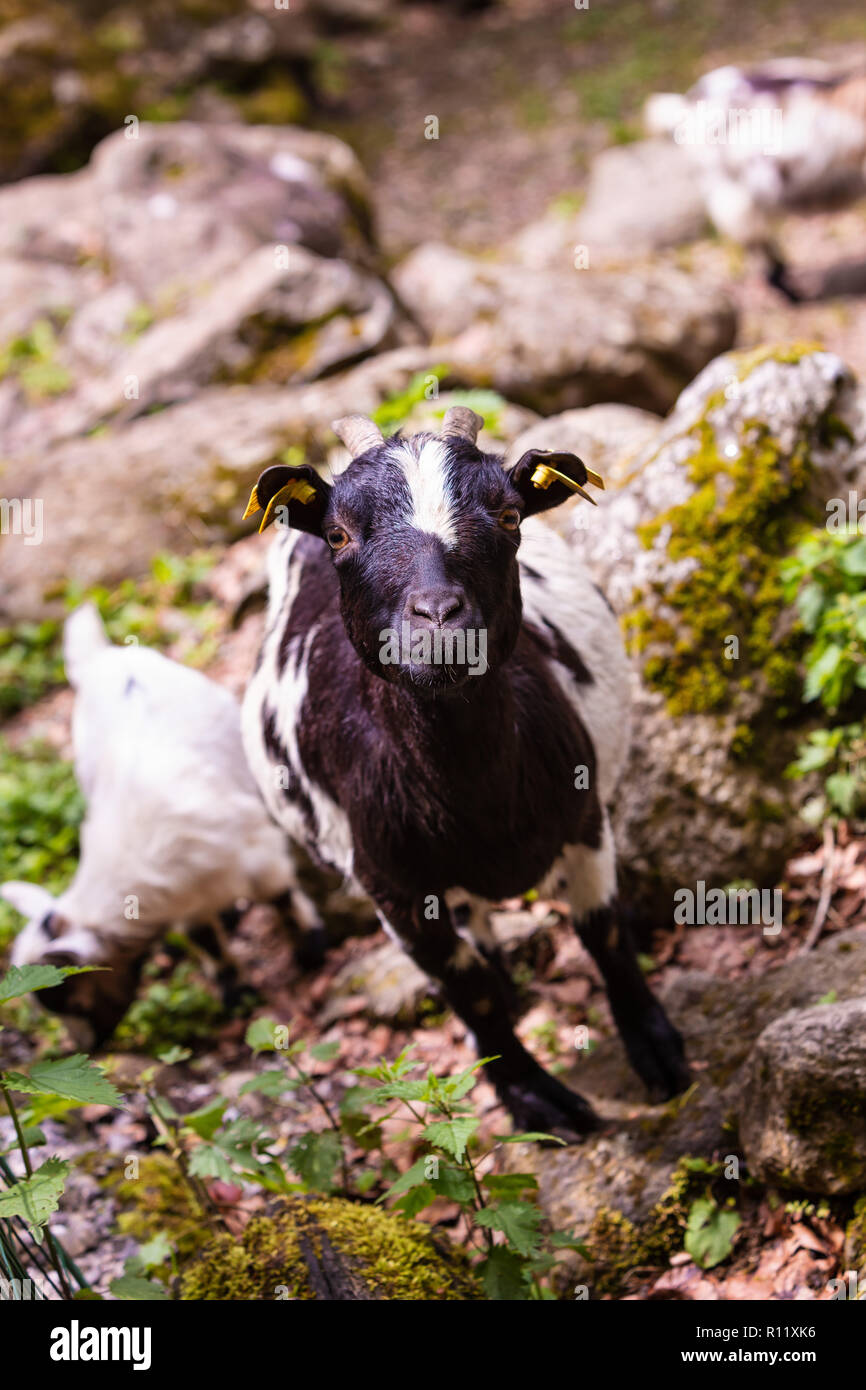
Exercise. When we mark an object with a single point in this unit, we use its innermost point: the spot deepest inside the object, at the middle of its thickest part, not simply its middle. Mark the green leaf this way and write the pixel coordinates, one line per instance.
(532, 1136)
(502, 1275)
(506, 1185)
(133, 1288)
(261, 1034)
(518, 1221)
(842, 788)
(710, 1232)
(455, 1184)
(207, 1160)
(207, 1119)
(398, 1090)
(413, 1177)
(452, 1135)
(566, 1240)
(155, 1252)
(73, 1078)
(315, 1158)
(37, 1197)
(416, 1200)
(25, 979)
(270, 1083)
(173, 1055)
(325, 1052)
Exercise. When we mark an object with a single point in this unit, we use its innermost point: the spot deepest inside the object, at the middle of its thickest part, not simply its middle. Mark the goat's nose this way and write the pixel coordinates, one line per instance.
(437, 605)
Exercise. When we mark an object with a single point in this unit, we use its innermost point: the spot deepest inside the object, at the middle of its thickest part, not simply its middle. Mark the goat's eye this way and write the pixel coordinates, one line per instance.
(337, 538)
(509, 519)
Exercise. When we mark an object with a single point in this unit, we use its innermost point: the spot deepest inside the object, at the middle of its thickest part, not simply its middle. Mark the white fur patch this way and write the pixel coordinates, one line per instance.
(428, 475)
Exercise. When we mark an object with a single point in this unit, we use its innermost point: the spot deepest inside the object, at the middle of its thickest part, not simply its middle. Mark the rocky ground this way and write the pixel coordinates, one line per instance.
(181, 308)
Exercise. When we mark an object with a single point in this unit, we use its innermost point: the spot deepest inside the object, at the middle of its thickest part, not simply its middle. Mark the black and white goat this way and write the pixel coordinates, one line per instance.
(440, 788)
(175, 830)
(789, 134)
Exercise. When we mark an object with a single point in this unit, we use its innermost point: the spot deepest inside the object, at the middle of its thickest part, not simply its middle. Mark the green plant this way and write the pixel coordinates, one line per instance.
(145, 610)
(825, 578)
(510, 1250)
(170, 1012)
(69, 1081)
(32, 358)
(40, 811)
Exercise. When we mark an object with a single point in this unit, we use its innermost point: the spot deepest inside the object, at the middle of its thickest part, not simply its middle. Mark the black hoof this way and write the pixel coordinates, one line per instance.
(655, 1050)
(311, 947)
(544, 1105)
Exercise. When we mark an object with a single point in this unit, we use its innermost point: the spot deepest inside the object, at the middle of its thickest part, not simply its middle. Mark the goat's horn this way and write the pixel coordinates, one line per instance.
(358, 433)
(462, 423)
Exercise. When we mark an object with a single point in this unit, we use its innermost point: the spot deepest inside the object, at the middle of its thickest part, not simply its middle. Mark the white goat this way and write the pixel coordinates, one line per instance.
(175, 829)
(790, 134)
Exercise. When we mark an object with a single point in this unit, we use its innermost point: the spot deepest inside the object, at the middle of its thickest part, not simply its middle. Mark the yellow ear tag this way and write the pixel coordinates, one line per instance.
(295, 491)
(253, 506)
(544, 475)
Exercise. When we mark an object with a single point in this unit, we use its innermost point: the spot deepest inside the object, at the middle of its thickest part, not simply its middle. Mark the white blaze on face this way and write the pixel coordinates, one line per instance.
(428, 475)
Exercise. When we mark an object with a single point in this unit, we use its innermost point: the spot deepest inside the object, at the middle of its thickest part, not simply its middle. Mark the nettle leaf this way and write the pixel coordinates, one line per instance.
(134, 1288)
(532, 1136)
(397, 1090)
(710, 1232)
(25, 979)
(315, 1158)
(502, 1275)
(270, 1083)
(416, 1200)
(505, 1185)
(454, 1183)
(567, 1240)
(452, 1135)
(73, 1078)
(35, 1198)
(413, 1177)
(207, 1119)
(261, 1035)
(518, 1221)
(33, 1138)
(207, 1160)
(154, 1252)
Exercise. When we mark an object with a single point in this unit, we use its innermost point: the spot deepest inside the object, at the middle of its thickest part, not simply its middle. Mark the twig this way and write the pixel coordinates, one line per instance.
(826, 889)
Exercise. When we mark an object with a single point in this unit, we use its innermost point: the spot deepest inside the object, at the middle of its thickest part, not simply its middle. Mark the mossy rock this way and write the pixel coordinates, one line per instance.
(689, 550)
(158, 1199)
(330, 1248)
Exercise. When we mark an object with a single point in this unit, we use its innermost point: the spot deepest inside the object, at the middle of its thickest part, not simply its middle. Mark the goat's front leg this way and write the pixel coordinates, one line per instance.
(475, 991)
(654, 1046)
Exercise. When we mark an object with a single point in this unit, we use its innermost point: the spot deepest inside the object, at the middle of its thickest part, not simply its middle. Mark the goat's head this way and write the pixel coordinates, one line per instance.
(90, 1005)
(424, 533)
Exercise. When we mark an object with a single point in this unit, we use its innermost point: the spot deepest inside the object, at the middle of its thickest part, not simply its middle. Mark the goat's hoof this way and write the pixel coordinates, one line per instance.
(543, 1105)
(311, 948)
(655, 1049)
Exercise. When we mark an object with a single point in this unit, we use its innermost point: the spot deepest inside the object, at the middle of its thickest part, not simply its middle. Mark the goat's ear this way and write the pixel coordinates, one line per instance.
(27, 898)
(297, 497)
(546, 479)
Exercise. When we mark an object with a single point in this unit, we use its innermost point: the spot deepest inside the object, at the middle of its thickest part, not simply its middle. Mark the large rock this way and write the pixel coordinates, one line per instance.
(625, 1189)
(172, 479)
(641, 197)
(803, 1103)
(185, 256)
(688, 551)
(558, 339)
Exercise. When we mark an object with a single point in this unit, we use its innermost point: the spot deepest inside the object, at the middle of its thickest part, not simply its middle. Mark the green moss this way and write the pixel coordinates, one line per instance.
(855, 1239)
(617, 1245)
(156, 1200)
(745, 515)
(834, 1120)
(391, 1256)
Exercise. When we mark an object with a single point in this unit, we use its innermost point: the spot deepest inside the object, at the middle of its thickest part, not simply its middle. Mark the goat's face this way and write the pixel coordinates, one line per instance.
(424, 533)
(90, 1005)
